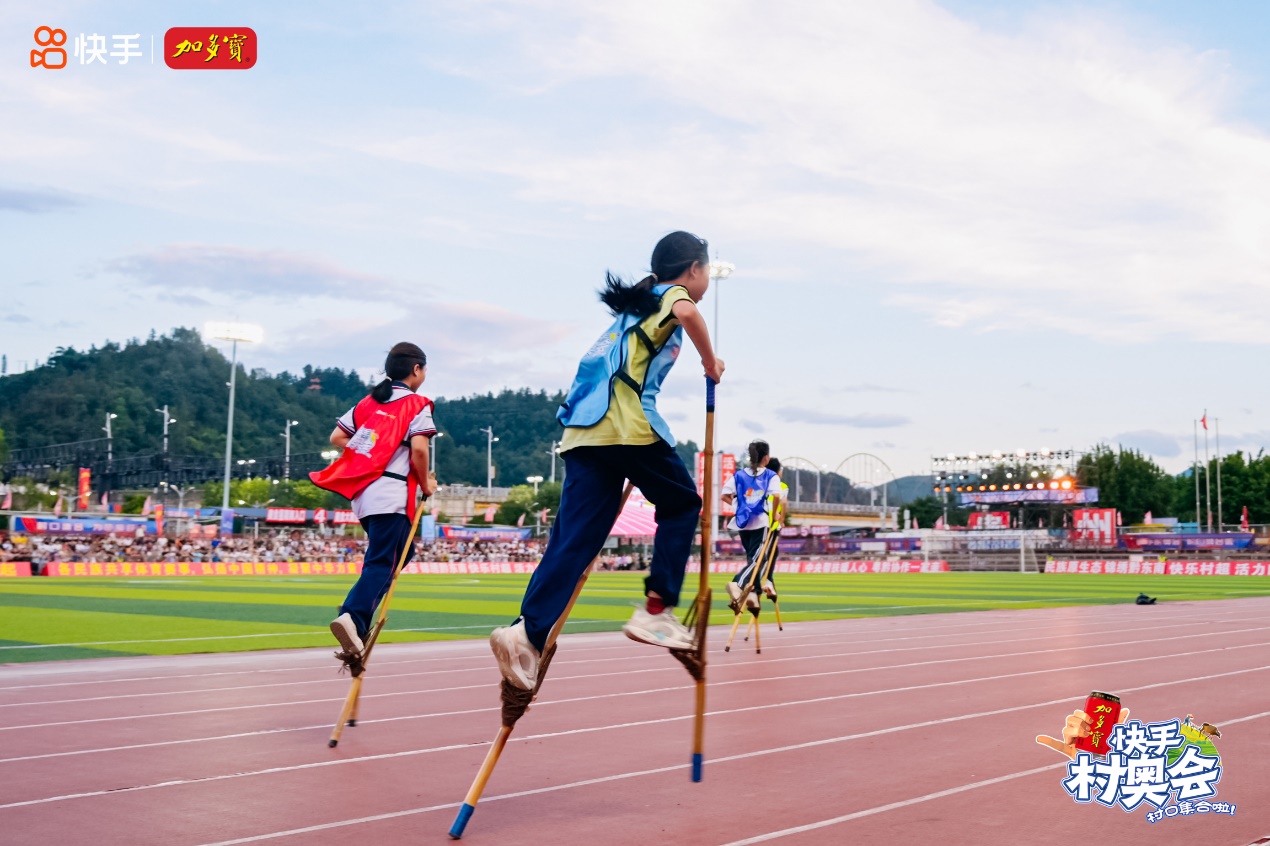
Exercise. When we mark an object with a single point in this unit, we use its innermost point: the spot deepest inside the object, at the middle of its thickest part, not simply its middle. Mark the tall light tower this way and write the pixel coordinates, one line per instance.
(234, 332)
(286, 472)
(489, 460)
(719, 270)
(167, 420)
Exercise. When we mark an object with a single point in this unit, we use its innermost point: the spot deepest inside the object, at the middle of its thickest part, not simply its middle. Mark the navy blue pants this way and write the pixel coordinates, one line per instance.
(752, 540)
(386, 535)
(588, 506)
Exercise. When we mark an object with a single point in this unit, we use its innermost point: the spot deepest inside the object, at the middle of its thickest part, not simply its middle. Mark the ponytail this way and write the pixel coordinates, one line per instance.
(637, 299)
(400, 363)
(758, 451)
(673, 256)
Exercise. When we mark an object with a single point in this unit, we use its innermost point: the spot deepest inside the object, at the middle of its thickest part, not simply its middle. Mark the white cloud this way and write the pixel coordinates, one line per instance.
(1069, 175)
(1150, 442)
(262, 273)
(868, 420)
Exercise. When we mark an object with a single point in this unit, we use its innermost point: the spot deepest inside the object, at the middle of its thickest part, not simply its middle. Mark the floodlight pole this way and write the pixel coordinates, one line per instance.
(229, 427)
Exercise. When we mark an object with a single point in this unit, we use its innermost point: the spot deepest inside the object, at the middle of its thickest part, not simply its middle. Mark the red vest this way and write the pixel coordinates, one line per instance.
(381, 428)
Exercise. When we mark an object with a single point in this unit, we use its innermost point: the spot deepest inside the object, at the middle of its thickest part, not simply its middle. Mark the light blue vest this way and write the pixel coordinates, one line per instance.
(746, 482)
(604, 364)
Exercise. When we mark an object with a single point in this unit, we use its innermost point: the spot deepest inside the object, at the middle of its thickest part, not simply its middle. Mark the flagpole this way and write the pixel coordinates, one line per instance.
(1195, 473)
(1217, 434)
(1208, 477)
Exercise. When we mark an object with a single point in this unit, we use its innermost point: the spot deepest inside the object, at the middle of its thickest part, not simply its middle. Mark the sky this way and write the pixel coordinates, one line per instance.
(958, 226)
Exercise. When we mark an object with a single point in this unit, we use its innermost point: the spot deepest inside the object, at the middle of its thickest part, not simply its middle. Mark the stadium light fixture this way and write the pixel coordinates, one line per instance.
(247, 333)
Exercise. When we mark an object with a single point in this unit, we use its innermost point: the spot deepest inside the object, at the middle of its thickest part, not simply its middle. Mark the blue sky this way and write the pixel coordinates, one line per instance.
(957, 226)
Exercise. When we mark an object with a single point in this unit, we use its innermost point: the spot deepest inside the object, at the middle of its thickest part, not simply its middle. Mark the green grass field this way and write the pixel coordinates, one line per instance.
(54, 619)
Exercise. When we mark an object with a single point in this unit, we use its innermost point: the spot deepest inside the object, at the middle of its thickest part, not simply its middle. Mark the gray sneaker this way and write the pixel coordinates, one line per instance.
(345, 631)
(662, 629)
(517, 658)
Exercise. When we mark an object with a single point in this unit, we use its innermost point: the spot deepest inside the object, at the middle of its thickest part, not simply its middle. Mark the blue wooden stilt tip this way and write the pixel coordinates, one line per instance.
(696, 766)
(460, 822)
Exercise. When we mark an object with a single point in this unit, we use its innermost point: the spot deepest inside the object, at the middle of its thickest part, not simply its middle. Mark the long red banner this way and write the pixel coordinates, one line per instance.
(1160, 568)
(329, 568)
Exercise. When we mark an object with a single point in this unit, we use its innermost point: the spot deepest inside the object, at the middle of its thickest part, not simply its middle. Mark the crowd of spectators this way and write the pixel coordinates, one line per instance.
(273, 546)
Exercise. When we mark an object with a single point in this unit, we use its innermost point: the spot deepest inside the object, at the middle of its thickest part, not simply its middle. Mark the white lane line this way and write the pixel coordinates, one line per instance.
(641, 657)
(572, 659)
(585, 677)
(726, 759)
(664, 720)
(884, 625)
(664, 669)
(916, 800)
(868, 812)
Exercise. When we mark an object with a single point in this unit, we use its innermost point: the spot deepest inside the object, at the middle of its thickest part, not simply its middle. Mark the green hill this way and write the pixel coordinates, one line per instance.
(67, 399)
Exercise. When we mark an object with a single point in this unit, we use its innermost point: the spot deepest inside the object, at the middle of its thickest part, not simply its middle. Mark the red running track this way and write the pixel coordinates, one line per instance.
(895, 730)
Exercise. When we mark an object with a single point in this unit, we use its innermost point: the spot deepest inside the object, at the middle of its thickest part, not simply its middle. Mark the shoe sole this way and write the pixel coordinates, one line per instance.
(346, 641)
(504, 658)
(644, 636)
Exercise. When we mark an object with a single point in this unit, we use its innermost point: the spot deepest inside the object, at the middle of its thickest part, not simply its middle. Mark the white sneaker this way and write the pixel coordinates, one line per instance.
(345, 631)
(517, 658)
(734, 595)
(659, 630)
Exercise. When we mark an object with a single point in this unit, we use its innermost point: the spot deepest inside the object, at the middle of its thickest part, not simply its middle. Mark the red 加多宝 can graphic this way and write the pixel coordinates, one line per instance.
(1103, 710)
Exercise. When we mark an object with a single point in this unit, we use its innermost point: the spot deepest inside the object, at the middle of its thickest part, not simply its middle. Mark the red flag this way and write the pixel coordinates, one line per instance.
(158, 519)
(939, 523)
(8, 501)
(489, 514)
(147, 506)
(57, 506)
(1243, 521)
(1203, 421)
(105, 501)
(1119, 520)
(1147, 517)
(85, 488)
(520, 521)
(544, 514)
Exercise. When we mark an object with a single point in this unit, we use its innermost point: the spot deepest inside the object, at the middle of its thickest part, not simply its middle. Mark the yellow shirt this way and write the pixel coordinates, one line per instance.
(625, 422)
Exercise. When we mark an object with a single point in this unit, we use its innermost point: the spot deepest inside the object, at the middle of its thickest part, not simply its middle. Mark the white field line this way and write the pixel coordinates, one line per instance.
(830, 636)
(727, 759)
(664, 720)
(663, 669)
(486, 665)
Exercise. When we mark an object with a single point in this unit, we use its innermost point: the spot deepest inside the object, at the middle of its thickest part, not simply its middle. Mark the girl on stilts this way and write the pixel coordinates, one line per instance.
(383, 466)
(752, 490)
(613, 432)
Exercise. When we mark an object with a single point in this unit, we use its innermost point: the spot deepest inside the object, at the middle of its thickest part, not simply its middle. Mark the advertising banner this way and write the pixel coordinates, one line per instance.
(1094, 525)
(286, 515)
(1165, 541)
(1160, 568)
(490, 533)
(1060, 497)
(85, 489)
(14, 569)
(989, 520)
(53, 525)
(835, 567)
